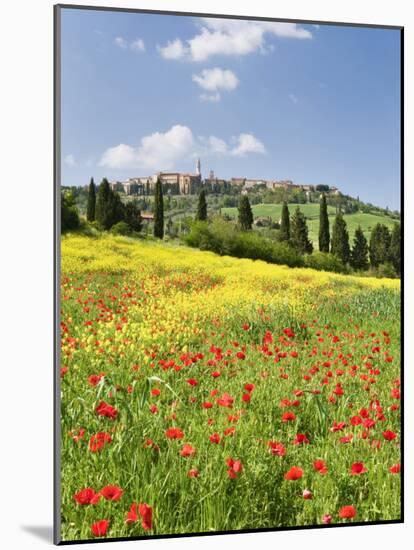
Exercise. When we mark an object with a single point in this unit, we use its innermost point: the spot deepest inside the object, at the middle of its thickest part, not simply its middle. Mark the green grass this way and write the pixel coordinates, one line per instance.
(154, 316)
(311, 211)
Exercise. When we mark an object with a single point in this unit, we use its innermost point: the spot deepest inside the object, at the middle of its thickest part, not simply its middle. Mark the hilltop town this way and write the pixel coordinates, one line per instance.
(181, 183)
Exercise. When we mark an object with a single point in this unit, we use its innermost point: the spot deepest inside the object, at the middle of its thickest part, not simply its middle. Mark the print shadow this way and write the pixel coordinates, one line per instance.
(43, 532)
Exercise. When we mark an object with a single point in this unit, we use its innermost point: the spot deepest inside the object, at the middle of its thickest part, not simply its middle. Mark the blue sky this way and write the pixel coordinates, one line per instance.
(314, 104)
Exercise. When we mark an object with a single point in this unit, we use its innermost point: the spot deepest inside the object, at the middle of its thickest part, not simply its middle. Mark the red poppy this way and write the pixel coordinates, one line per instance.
(240, 355)
(94, 379)
(193, 472)
(276, 448)
(100, 528)
(174, 433)
(358, 468)
(320, 466)
(98, 441)
(234, 467)
(86, 496)
(104, 409)
(207, 405)
(155, 392)
(347, 512)
(395, 469)
(187, 450)
(132, 515)
(288, 416)
(145, 511)
(112, 492)
(192, 382)
(225, 400)
(294, 473)
(326, 519)
(307, 495)
(389, 435)
(153, 409)
(246, 397)
(215, 438)
(338, 426)
(249, 387)
(301, 439)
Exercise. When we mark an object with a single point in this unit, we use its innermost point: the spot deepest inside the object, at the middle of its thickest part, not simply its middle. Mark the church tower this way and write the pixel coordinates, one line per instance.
(198, 167)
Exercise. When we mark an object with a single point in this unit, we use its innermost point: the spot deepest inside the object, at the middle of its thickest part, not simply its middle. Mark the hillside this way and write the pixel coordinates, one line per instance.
(311, 211)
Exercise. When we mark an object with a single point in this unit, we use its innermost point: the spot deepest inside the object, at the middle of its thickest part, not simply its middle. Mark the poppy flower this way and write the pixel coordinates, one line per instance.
(193, 472)
(153, 409)
(389, 435)
(246, 397)
(104, 409)
(132, 515)
(326, 519)
(288, 416)
(85, 496)
(112, 492)
(225, 400)
(307, 495)
(98, 441)
(174, 433)
(192, 382)
(347, 512)
(276, 448)
(395, 469)
(240, 355)
(207, 405)
(249, 387)
(358, 468)
(145, 511)
(215, 438)
(94, 379)
(300, 439)
(100, 528)
(320, 466)
(155, 392)
(234, 467)
(294, 473)
(187, 450)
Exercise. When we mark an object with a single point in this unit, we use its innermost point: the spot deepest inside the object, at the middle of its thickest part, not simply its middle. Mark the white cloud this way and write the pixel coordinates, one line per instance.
(70, 161)
(214, 98)
(157, 151)
(293, 98)
(173, 50)
(137, 46)
(216, 79)
(230, 37)
(120, 42)
(247, 143)
(217, 146)
(163, 151)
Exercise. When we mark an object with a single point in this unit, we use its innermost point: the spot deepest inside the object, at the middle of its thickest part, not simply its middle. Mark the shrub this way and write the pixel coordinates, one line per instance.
(121, 228)
(325, 261)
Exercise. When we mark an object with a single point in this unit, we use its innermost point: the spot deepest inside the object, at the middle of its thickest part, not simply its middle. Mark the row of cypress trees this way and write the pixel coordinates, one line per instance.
(383, 246)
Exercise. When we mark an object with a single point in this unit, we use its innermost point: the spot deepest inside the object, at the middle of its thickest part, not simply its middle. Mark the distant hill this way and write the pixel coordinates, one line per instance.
(311, 211)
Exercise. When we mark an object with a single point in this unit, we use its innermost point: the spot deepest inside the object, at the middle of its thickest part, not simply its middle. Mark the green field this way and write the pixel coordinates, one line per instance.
(311, 211)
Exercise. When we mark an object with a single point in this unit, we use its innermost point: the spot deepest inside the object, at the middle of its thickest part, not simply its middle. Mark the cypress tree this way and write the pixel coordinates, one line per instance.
(158, 211)
(299, 233)
(323, 225)
(379, 245)
(90, 209)
(395, 248)
(132, 216)
(202, 207)
(285, 223)
(245, 213)
(359, 253)
(340, 239)
(102, 208)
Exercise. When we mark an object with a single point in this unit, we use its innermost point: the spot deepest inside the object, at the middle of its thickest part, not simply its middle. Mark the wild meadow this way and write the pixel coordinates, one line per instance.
(202, 393)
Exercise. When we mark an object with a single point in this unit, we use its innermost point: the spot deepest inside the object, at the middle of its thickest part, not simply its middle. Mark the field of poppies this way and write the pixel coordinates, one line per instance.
(202, 393)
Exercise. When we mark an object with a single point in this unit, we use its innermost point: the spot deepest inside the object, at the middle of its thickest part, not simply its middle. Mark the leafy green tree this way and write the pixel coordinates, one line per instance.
(359, 252)
(109, 209)
(69, 212)
(90, 209)
(202, 207)
(245, 213)
(299, 233)
(324, 236)
(379, 245)
(158, 211)
(284, 234)
(132, 216)
(395, 248)
(340, 239)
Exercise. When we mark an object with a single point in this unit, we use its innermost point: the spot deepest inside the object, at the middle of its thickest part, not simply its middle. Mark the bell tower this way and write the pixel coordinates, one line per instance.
(198, 167)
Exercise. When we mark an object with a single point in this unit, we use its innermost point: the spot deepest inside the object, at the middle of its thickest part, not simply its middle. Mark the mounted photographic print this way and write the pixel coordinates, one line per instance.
(228, 267)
